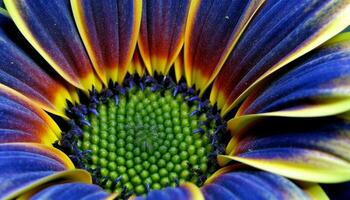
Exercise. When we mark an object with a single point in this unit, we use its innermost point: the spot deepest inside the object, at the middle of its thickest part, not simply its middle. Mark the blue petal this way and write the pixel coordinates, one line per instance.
(172, 193)
(49, 26)
(159, 51)
(21, 73)
(300, 90)
(303, 149)
(22, 121)
(71, 191)
(252, 185)
(109, 30)
(213, 29)
(280, 32)
(23, 164)
(214, 191)
(158, 194)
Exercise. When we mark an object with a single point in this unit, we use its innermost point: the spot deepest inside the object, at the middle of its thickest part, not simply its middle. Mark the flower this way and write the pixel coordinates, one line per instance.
(229, 98)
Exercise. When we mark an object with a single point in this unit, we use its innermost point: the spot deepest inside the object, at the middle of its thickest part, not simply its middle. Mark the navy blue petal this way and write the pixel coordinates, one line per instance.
(72, 191)
(20, 72)
(214, 191)
(315, 85)
(251, 184)
(279, 33)
(304, 149)
(186, 191)
(49, 26)
(24, 164)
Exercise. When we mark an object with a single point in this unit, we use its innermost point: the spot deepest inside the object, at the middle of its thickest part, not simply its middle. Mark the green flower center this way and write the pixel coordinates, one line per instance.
(145, 134)
(149, 139)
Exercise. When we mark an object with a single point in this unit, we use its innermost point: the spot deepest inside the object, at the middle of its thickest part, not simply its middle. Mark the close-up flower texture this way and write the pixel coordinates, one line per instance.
(175, 99)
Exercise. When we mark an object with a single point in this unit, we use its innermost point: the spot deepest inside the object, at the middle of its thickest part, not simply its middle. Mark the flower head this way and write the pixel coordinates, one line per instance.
(175, 99)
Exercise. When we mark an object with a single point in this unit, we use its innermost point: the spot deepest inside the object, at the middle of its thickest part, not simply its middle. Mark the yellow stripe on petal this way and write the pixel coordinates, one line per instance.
(314, 190)
(62, 157)
(330, 169)
(78, 14)
(21, 73)
(137, 65)
(73, 175)
(196, 193)
(308, 149)
(91, 81)
(193, 10)
(51, 132)
(60, 102)
(238, 123)
(221, 171)
(74, 94)
(279, 31)
(24, 29)
(109, 30)
(340, 21)
(30, 166)
(206, 48)
(342, 37)
(161, 34)
(136, 31)
(244, 20)
(325, 109)
(15, 15)
(230, 148)
(112, 196)
(179, 66)
(299, 92)
(52, 33)
(60, 96)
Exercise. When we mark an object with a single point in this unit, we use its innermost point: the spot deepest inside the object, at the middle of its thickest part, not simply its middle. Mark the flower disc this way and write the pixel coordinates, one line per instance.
(148, 140)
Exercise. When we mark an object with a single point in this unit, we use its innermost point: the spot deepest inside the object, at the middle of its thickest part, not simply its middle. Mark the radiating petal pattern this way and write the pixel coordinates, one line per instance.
(252, 185)
(49, 27)
(314, 150)
(161, 34)
(316, 85)
(279, 33)
(185, 191)
(28, 165)
(213, 28)
(234, 47)
(72, 191)
(21, 73)
(22, 121)
(109, 30)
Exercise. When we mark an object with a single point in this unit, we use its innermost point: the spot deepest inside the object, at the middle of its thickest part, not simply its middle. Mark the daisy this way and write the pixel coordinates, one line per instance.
(174, 99)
